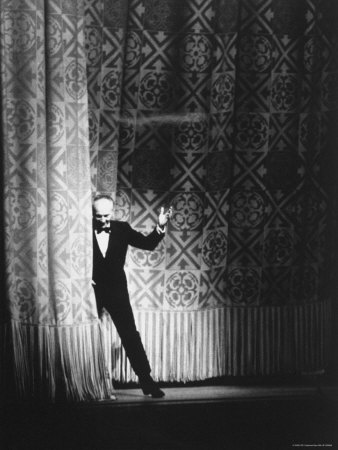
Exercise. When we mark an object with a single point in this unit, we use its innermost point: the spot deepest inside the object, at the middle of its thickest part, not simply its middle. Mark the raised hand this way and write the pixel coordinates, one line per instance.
(165, 216)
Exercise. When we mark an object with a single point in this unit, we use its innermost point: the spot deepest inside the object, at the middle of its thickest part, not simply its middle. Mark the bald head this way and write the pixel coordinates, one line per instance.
(102, 211)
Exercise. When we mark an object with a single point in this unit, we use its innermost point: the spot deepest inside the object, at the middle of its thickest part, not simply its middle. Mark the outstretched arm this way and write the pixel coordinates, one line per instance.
(150, 242)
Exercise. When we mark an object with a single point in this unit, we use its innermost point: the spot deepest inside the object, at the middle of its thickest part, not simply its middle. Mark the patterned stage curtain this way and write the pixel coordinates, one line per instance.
(223, 109)
(53, 326)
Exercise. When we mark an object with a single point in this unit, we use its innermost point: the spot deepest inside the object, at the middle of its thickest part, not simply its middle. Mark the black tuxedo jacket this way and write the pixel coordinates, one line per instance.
(108, 273)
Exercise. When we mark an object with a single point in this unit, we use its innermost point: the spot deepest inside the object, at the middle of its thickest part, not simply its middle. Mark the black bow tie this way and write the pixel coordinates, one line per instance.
(106, 230)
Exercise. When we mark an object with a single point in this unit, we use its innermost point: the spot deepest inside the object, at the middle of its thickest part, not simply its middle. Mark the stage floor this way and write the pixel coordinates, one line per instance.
(216, 394)
(274, 417)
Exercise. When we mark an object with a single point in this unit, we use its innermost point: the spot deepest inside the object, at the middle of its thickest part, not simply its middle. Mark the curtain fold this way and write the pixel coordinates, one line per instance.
(53, 325)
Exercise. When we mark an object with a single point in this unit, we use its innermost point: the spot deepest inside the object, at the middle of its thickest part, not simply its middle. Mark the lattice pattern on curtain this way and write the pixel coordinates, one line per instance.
(47, 201)
(220, 108)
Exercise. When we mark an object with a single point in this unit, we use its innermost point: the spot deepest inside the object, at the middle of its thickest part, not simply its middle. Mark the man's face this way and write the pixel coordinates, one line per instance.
(102, 213)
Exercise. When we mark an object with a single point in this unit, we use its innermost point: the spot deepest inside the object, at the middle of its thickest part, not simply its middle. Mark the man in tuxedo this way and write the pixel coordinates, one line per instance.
(110, 243)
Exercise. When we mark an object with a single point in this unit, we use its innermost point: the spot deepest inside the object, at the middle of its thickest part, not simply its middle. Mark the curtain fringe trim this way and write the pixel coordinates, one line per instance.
(66, 361)
(239, 341)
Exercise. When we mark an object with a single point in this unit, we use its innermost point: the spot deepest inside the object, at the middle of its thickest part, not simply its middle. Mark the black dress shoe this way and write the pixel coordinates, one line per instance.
(154, 391)
(149, 387)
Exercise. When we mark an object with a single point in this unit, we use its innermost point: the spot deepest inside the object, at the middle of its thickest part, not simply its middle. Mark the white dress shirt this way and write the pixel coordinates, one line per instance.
(102, 240)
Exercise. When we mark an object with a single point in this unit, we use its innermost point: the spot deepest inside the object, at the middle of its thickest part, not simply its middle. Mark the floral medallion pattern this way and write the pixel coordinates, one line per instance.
(248, 209)
(187, 211)
(182, 290)
(195, 53)
(156, 91)
(191, 132)
(23, 305)
(243, 286)
(256, 53)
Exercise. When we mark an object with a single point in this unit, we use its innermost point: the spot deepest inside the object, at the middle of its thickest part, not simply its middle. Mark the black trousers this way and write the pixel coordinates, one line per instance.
(122, 315)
